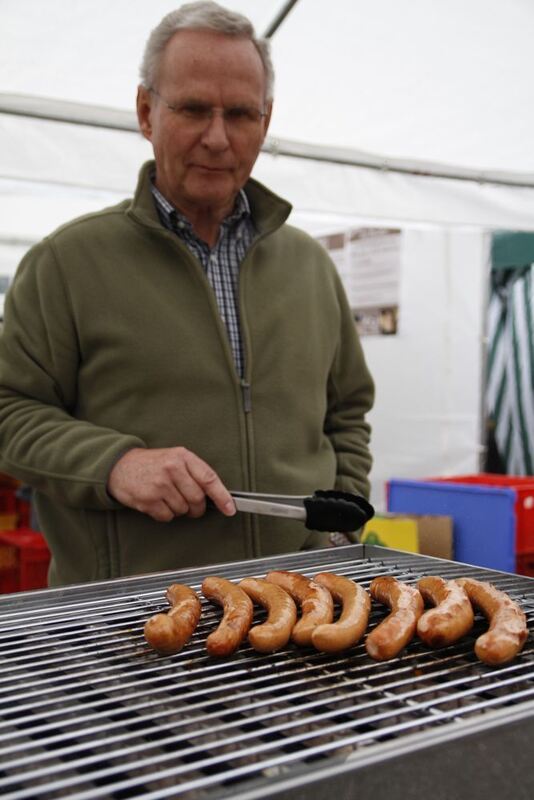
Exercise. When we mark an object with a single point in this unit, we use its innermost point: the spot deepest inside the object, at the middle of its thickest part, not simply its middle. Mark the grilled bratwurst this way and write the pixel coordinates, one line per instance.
(315, 601)
(275, 632)
(507, 632)
(167, 633)
(452, 616)
(393, 634)
(352, 623)
(237, 615)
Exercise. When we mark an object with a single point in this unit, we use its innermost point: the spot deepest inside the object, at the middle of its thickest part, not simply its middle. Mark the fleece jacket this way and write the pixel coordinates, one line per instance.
(112, 339)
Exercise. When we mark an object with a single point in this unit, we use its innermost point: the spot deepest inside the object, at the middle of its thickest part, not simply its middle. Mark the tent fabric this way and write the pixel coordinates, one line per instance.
(512, 249)
(510, 369)
(435, 81)
(428, 79)
(510, 380)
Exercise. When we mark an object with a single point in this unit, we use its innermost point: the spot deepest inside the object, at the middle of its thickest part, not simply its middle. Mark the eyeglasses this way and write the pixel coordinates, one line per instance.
(197, 114)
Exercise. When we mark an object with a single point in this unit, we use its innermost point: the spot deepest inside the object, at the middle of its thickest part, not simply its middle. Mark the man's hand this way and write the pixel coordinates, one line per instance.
(166, 483)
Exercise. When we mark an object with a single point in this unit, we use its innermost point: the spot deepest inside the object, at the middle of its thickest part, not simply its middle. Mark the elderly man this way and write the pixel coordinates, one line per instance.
(185, 342)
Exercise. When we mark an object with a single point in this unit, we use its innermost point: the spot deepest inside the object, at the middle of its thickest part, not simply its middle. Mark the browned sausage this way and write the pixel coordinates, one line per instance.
(352, 623)
(507, 632)
(274, 633)
(394, 633)
(167, 633)
(315, 601)
(452, 616)
(237, 615)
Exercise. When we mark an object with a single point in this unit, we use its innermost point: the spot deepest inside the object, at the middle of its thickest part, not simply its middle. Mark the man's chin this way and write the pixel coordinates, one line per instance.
(213, 191)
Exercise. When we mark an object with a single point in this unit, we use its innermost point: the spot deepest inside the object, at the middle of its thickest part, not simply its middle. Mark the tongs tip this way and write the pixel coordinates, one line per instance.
(336, 511)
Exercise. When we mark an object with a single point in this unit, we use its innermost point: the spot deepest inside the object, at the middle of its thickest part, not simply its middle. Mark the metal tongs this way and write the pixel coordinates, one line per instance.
(325, 510)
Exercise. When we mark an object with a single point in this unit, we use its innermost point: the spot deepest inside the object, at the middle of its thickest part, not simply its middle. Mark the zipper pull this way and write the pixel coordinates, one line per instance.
(247, 402)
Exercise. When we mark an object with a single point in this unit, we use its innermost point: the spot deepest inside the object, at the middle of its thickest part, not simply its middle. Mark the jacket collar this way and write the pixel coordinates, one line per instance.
(269, 211)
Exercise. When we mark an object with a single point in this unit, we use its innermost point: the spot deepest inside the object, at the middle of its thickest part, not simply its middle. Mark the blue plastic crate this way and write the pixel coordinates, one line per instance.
(483, 517)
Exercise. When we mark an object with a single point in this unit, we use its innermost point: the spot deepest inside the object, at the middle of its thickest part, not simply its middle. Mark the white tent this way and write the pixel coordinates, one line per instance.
(392, 114)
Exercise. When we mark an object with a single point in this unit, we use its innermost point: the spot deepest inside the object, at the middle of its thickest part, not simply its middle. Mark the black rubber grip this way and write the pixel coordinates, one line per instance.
(335, 511)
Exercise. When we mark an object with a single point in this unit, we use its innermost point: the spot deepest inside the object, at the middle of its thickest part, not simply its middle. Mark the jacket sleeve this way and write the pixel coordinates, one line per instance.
(42, 443)
(350, 398)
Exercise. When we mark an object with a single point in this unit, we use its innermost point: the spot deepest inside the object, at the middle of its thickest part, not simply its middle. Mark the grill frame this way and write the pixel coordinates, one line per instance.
(485, 753)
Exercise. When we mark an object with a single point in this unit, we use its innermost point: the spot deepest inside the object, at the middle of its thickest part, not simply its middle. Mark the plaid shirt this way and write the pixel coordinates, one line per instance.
(221, 263)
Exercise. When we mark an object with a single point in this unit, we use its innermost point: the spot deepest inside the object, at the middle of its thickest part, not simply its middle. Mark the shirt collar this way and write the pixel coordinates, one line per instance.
(171, 216)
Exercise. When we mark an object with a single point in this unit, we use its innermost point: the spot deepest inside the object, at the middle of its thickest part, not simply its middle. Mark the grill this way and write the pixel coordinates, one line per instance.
(87, 710)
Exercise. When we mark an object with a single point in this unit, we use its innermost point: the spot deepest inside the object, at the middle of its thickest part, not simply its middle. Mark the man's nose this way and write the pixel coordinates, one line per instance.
(215, 135)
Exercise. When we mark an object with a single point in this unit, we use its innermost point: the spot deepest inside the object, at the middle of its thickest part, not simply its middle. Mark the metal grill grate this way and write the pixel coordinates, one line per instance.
(87, 710)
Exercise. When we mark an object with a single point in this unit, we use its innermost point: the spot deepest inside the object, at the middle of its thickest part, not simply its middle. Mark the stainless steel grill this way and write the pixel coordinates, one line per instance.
(87, 710)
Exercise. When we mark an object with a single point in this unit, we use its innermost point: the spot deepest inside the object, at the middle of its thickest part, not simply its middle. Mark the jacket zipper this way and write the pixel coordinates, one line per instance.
(244, 385)
(247, 400)
(246, 391)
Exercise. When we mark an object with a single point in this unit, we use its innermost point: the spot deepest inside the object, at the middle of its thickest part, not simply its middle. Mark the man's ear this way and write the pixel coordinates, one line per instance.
(144, 105)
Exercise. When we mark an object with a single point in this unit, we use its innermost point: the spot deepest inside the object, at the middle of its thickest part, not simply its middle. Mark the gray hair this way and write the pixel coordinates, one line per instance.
(203, 15)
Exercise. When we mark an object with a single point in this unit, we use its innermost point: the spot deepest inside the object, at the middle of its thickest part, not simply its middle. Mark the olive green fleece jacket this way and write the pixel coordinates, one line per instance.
(112, 339)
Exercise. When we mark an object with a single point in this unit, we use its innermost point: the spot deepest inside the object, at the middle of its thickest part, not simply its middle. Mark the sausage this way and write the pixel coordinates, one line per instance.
(393, 634)
(315, 601)
(274, 633)
(167, 633)
(352, 623)
(507, 632)
(237, 615)
(452, 616)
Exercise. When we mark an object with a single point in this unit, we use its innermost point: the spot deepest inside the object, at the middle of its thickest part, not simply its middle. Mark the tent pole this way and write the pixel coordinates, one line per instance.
(116, 119)
(280, 17)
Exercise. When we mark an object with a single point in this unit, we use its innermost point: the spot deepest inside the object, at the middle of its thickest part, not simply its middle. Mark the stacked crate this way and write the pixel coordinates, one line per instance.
(493, 516)
(24, 554)
(523, 516)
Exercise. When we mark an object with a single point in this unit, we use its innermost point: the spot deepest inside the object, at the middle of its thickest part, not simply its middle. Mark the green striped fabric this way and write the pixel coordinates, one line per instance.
(510, 366)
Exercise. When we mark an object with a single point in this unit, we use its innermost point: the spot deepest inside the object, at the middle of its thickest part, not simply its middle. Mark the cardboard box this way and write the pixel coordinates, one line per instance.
(430, 535)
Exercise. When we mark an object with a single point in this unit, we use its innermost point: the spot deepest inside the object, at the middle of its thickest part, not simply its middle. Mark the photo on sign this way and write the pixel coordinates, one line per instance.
(368, 262)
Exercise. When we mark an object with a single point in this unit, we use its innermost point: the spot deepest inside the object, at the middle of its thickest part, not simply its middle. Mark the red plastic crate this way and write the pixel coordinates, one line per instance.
(7, 482)
(525, 564)
(24, 560)
(8, 501)
(524, 505)
(23, 513)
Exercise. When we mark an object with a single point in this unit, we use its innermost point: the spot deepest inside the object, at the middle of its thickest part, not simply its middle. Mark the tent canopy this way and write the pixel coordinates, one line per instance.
(400, 89)
(447, 82)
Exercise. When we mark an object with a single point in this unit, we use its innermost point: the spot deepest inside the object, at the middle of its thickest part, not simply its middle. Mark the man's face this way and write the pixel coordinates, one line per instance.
(200, 167)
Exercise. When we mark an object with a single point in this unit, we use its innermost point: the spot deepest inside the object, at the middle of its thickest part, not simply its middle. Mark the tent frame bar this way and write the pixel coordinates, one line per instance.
(280, 17)
(116, 119)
